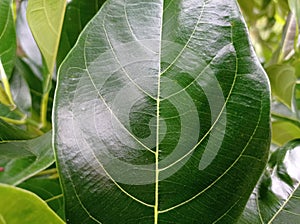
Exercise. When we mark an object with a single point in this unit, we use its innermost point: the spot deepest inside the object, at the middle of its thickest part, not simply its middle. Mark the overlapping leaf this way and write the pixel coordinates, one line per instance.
(78, 13)
(7, 36)
(277, 196)
(23, 159)
(21, 206)
(161, 114)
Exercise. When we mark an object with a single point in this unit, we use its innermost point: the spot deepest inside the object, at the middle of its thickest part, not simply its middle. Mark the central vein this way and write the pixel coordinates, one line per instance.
(156, 208)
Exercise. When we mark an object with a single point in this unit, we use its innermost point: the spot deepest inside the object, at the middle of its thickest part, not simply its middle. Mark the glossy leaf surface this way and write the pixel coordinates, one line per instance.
(23, 159)
(7, 36)
(150, 114)
(21, 206)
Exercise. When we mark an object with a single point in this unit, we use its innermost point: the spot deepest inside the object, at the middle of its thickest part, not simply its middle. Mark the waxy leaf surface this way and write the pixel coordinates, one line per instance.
(161, 115)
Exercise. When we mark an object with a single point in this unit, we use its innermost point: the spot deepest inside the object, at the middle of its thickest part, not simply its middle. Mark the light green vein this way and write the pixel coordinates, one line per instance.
(285, 203)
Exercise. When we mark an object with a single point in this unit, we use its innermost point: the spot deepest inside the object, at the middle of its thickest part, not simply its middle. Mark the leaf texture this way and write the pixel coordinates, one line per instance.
(161, 115)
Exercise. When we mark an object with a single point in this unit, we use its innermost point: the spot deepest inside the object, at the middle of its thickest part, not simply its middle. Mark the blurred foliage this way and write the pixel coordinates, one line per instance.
(274, 31)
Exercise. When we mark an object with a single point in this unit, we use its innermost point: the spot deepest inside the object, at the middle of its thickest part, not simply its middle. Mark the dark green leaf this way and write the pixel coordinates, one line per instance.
(78, 13)
(161, 114)
(7, 36)
(9, 132)
(21, 206)
(23, 159)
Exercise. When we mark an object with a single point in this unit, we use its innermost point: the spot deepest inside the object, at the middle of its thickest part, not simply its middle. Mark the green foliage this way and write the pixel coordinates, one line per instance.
(162, 74)
(161, 111)
(21, 206)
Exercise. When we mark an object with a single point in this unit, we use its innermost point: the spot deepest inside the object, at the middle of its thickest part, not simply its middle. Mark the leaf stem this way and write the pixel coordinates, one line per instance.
(44, 108)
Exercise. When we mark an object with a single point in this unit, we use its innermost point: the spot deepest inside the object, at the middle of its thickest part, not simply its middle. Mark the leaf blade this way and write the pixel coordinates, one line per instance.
(135, 124)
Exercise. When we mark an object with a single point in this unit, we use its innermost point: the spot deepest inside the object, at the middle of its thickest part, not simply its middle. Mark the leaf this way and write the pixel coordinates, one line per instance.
(78, 13)
(27, 42)
(283, 81)
(161, 113)
(45, 19)
(284, 131)
(295, 8)
(20, 91)
(289, 38)
(9, 132)
(23, 159)
(25, 207)
(274, 199)
(8, 41)
(47, 189)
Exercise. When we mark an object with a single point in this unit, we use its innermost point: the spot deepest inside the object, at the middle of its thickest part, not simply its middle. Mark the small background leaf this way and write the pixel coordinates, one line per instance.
(283, 79)
(78, 13)
(23, 159)
(8, 41)
(45, 19)
(48, 189)
(21, 206)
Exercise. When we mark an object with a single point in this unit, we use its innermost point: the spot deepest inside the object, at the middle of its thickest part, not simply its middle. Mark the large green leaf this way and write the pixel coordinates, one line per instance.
(276, 198)
(21, 206)
(161, 115)
(78, 13)
(8, 43)
(23, 159)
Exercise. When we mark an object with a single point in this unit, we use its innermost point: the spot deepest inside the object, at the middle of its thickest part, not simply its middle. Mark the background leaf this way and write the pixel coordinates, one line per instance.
(23, 159)
(47, 189)
(8, 41)
(10, 132)
(21, 206)
(276, 199)
(284, 131)
(45, 19)
(283, 80)
(156, 99)
(78, 13)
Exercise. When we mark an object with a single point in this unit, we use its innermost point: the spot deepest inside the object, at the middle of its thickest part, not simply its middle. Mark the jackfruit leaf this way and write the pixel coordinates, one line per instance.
(21, 206)
(78, 13)
(284, 131)
(23, 159)
(161, 113)
(283, 81)
(45, 19)
(8, 41)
